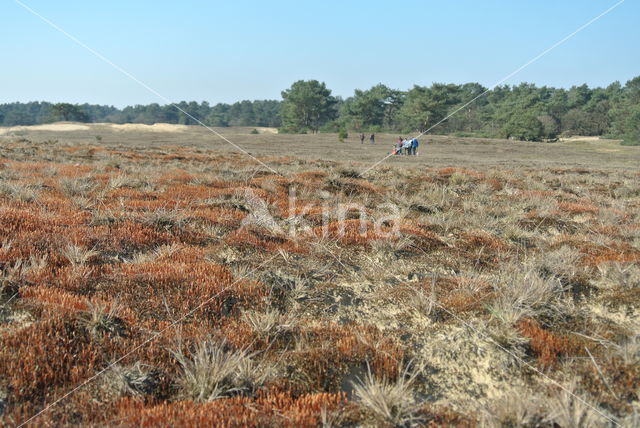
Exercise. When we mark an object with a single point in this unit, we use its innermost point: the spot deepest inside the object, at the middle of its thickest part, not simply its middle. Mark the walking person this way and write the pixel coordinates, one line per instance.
(414, 146)
(372, 139)
(361, 138)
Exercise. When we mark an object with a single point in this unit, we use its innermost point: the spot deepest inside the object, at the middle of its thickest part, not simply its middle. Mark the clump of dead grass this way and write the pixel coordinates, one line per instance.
(212, 371)
(77, 186)
(525, 293)
(516, 408)
(19, 192)
(390, 401)
(567, 407)
(164, 218)
(137, 380)
(78, 256)
(270, 323)
(102, 319)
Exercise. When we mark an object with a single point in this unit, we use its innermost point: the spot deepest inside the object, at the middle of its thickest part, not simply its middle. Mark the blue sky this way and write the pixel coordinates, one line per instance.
(233, 50)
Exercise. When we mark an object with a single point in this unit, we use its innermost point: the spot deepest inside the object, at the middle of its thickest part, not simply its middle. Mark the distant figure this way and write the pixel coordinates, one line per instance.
(406, 145)
(361, 138)
(372, 139)
(414, 146)
(397, 149)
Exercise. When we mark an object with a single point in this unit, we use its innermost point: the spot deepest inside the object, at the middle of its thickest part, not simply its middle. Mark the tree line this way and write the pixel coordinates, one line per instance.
(243, 113)
(523, 112)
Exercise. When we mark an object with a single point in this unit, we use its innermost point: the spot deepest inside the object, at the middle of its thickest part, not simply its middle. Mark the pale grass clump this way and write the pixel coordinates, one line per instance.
(430, 200)
(212, 230)
(259, 214)
(77, 255)
(509, 339)
(77, 186)
(242, 270)
(616, 274)
(544, 206)
(514, 233)
(135, 380)
(516, 408)
(161, 252)
(631, 420)
(612, 216)
(526, 294)
(536, 182)
(448, 221)
(390, 401)
(14, 274)
(34, 264)
(166, 251)
(163, 218)
(383, 248)
(567, 408)
(3, 400)
(457, 179)
(101, 217)
(11, 274)
(270, 323)
(83, 202)
(19, 192)
(212, 371)
(124, 181)
(6, 245)
(629, 350)
(563, 263)
(101, 319)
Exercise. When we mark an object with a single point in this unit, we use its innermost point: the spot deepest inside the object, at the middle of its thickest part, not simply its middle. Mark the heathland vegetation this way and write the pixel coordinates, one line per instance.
(523, 112)
(189, 286)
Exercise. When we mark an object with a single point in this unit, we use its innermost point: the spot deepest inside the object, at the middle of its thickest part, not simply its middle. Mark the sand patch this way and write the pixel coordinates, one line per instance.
(578, 138)
(55, 127)
(264, 130)
(156, 127)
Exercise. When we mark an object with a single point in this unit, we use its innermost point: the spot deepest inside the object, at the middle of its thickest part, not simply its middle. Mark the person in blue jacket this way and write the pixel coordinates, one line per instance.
(414, 147)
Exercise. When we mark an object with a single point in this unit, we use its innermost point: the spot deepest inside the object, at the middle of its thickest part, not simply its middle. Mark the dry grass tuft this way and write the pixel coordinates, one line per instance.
(516, 408)
(568, 408)
(101, 319)
(390, 401)
(212, 371)
(526, 294)
(136, 380)
(270, 323)
(77, 255)
(19, 192)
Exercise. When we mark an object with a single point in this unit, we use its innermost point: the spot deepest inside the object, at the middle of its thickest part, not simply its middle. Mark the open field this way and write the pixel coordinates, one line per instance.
(484, 282)
(435, 151)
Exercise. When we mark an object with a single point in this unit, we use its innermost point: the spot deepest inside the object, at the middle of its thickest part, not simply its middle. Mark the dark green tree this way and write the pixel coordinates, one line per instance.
(424, 107)
(524, 125)
(307, 105)
(68, 112)
(376, 107)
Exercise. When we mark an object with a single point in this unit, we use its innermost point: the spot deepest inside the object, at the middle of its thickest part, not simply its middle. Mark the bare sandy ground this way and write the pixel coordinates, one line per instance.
(126, 127)
(51, 127)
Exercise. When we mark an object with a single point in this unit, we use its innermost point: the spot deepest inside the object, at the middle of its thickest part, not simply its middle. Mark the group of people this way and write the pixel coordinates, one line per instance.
(406, 146)
(372, 138)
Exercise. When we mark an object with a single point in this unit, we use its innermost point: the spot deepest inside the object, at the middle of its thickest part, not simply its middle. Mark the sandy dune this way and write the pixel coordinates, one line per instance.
(126, 127)
(48, 127)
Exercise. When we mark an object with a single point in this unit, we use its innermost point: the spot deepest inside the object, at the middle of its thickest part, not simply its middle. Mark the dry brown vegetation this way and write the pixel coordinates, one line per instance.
(501, 282)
